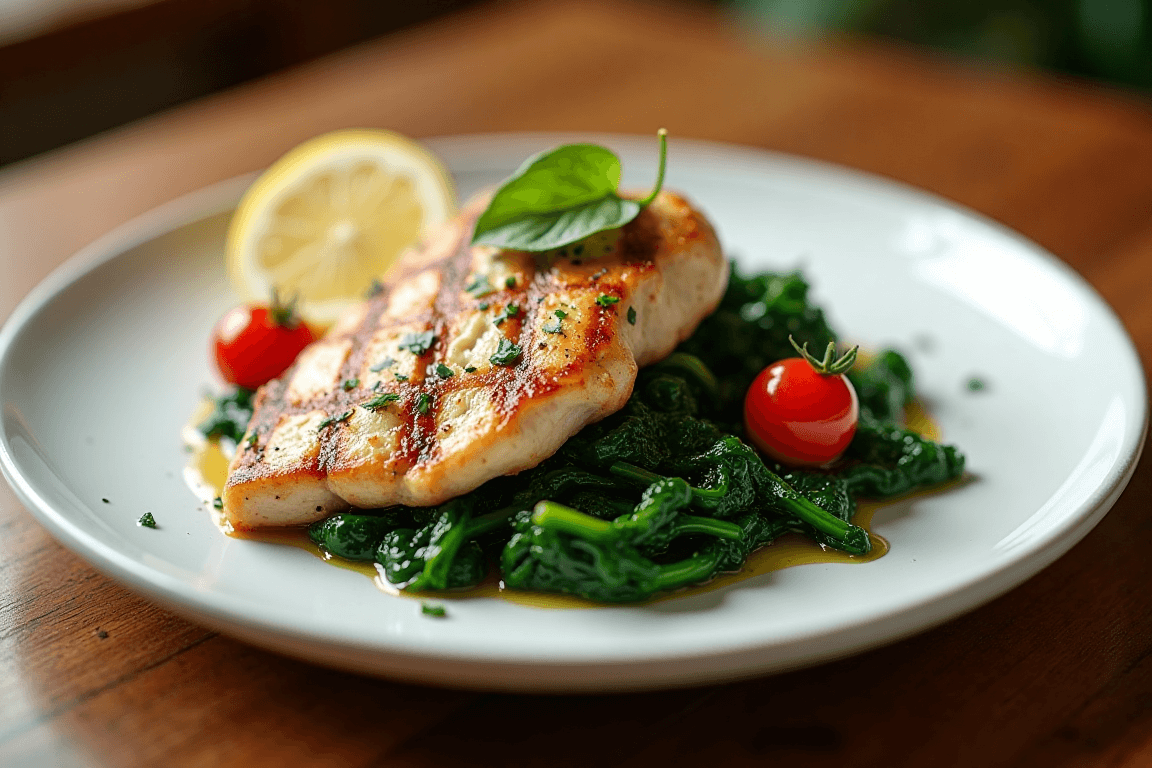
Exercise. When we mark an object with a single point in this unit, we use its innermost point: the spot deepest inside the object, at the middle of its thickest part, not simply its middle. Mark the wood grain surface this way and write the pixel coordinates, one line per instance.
(1057, 673)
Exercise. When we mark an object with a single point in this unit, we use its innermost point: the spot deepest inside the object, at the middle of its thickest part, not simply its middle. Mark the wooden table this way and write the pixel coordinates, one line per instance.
(1057, 673)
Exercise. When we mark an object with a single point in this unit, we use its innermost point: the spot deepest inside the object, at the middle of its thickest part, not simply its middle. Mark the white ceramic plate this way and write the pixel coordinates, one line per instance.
(102, 364)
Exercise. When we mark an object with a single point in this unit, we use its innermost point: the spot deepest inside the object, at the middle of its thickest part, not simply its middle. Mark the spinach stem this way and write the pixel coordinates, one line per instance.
(439, 558)
(478, 526)
(696, 568)
(635, 474)
(557, 517)
(854, 539)
(719, 528)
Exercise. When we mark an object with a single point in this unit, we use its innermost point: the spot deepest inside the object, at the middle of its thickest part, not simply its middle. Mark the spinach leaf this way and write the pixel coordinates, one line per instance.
(885, 385)
(749, 331)
(230, 416)
(559, 197)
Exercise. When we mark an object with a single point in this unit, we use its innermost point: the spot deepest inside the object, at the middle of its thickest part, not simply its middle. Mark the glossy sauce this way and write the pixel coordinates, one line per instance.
(207, 471)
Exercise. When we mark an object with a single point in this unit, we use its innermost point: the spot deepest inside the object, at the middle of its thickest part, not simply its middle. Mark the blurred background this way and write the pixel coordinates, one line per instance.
(72, 68)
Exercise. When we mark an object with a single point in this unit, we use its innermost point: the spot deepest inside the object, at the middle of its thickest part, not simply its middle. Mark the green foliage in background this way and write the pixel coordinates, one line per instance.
(1109, 39)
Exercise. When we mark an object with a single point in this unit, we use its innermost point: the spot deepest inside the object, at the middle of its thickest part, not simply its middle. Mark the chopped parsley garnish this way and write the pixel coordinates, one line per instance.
(387, 362)
(506, 353)
(552, 326)
(349, 384)
(469, 369)
(444, 371)
(418, 343)
(217, 503)
(632, 315)
(483, 306)
(105, 501)
(328, 422)
(400, 377)
(380, 401)
(433, 610)
(510, 311)
(423, 403)
(605, 300)
(375, 289)
(252, 440)
(560, 314)
(479, 286)
(976, 384)
(510, 282)
(146, 520)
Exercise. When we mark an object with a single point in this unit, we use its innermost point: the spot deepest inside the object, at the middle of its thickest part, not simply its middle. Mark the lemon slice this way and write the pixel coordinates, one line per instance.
(333, 215)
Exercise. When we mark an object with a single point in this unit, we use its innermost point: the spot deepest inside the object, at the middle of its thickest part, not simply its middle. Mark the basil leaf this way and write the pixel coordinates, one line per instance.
(543, 231)
(560, 197)
(554, 180)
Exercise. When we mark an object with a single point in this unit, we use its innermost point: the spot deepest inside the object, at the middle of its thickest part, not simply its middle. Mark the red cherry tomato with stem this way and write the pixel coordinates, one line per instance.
(254, 344)
(802, 411)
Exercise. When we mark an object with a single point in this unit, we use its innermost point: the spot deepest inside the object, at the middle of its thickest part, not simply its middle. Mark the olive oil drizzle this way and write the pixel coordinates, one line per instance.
(207, 471)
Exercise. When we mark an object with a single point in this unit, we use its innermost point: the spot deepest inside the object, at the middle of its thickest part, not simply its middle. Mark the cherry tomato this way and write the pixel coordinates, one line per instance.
(802, 411)
(254, 344)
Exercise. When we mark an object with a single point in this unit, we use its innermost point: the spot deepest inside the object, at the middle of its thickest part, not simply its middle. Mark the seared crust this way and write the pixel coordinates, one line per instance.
(446, 436)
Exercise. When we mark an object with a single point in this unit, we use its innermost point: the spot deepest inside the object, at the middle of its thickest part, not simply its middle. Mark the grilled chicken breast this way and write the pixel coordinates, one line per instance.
(472, 362)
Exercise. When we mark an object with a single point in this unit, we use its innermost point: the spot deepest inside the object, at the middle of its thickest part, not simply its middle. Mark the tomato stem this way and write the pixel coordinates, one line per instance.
(830, 365)
(283, 314)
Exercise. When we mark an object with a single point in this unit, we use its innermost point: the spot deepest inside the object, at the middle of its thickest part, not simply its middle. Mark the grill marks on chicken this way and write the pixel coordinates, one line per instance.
(418, 395)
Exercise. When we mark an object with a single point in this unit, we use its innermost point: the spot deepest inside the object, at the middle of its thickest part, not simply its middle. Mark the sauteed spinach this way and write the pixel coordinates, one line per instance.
(664, 493)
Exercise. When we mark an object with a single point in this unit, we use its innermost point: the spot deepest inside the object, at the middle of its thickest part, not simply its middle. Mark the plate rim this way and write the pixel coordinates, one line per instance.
(669, 669)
